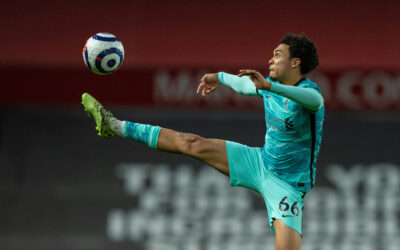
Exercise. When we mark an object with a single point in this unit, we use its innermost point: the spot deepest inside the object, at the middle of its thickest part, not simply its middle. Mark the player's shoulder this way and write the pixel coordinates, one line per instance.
(307, 83)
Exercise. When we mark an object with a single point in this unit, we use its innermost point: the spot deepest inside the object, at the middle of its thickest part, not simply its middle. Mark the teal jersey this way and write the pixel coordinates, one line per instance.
(293, 137)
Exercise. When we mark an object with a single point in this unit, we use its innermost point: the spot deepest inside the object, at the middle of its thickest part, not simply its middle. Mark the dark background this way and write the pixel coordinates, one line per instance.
(63, 187)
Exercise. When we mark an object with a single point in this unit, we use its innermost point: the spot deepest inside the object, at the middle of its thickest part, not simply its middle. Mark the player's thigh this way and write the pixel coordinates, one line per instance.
(286, 238)
(212, 152)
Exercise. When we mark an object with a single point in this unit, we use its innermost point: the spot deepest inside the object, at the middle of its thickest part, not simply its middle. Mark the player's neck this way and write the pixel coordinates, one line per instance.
(292, 79)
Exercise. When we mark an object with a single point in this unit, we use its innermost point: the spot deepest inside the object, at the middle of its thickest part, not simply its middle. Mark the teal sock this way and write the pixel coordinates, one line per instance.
(144, 133)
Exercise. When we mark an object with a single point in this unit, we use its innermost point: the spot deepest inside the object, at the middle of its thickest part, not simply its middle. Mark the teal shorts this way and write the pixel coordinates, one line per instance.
(247, 170)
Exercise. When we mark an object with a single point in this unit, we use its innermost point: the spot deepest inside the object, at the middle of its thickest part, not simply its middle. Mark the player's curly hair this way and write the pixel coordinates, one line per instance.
(302, 47)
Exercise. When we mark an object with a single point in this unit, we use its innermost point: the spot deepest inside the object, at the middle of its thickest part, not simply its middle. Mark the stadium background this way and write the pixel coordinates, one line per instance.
(62, 187)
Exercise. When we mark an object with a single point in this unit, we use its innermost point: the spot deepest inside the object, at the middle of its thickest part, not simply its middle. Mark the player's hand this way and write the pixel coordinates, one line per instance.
(257, 78)
(208, 83)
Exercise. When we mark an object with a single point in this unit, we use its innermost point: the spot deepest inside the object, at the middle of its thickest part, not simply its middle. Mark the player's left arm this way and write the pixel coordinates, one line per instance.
(307, 97)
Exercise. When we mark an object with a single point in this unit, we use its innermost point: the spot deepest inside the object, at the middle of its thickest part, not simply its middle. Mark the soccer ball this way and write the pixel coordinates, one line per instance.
(103, 53)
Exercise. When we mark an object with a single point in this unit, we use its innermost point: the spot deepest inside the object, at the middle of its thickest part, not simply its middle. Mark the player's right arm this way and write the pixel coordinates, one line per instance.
(242, 85)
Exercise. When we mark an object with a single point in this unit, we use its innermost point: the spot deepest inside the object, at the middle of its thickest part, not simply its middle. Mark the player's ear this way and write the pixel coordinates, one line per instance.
(296, 62)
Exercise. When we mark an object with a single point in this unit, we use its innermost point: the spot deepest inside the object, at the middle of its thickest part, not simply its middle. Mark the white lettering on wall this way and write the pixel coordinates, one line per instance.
(354, 89)
(179, 88)
(345, 89)
(379, 90)
(183, 207)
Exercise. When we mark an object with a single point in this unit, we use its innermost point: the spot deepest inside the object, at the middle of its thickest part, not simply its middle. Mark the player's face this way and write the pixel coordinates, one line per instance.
(280, 63)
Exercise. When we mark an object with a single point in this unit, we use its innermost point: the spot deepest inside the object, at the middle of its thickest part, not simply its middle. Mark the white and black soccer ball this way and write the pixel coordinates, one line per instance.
(103, 53)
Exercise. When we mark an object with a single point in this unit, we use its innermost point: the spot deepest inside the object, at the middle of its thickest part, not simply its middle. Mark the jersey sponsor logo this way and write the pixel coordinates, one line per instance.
(279, 124)
(272, 118)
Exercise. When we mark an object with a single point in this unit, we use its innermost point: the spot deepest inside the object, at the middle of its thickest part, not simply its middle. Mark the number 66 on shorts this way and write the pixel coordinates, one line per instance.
(284, 206)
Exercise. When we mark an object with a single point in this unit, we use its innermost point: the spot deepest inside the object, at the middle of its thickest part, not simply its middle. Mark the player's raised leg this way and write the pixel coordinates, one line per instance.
(100, 115)
(210, 151)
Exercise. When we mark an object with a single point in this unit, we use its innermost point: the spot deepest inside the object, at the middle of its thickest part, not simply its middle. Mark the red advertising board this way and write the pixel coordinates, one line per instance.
(342, 90)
